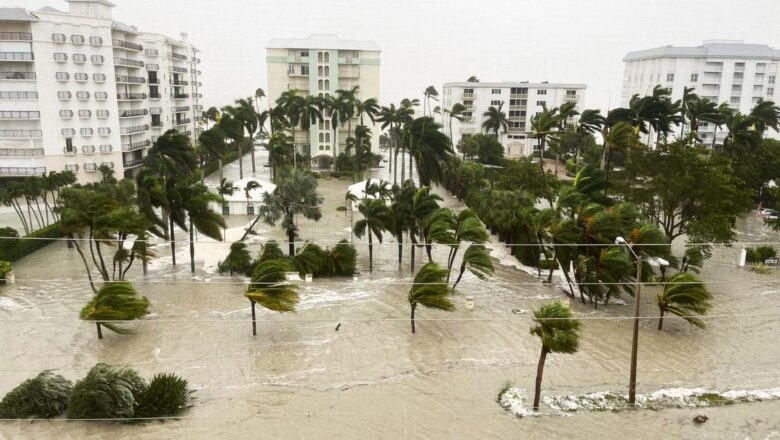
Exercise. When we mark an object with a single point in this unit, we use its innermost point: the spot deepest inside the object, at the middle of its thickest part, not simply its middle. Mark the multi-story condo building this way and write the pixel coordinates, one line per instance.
(521, 100)
(721, 70)
(79, 90)
(322, 64)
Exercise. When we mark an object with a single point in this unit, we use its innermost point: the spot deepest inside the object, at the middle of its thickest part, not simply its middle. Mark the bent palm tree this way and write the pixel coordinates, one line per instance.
(377, 217)
(559, 333)
(684, 295)
(477, 261)
(116, 301)
(430, 290)
(270, 289)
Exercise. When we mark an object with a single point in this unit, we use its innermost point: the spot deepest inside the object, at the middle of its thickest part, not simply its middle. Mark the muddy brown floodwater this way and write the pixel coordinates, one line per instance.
(299, 378)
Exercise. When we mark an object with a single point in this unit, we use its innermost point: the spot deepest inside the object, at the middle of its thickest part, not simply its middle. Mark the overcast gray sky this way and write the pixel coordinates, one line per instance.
(428, 42)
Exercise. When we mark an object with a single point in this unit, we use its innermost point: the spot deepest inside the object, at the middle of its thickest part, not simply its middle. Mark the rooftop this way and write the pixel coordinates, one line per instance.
(15, 14)
(322, 41)
(102, 2)
(505, 84)
(710, 49)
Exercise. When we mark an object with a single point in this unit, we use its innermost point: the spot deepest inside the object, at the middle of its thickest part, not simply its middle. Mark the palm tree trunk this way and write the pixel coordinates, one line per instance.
(403, 165)
(86, 265)
(219, 162)
(400, 249)
(291, 241)
(411, 266)
(252, 146)
(192, 248)
(370, 253)
(173, 241)
(460, 275)
(539, 373)
(240, 160)
(552, 262)
(21, 216)
(606, 178)
(102, 261)
(254, 319)
(100, 332)
(414, 306)
(661, 319)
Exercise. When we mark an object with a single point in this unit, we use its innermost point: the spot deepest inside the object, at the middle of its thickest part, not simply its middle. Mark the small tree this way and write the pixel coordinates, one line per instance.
(116, 301)
(684, 295)
(106, 393)
(270, 289)
(430, 290)
(46, 395)
(559, 333)
(377, 217)
(477, 260)
(238, 260)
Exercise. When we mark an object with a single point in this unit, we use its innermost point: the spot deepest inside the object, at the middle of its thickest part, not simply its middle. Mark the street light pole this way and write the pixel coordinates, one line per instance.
(635, 339)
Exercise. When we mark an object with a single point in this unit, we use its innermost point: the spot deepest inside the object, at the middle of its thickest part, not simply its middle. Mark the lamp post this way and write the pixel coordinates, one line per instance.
(635, 339)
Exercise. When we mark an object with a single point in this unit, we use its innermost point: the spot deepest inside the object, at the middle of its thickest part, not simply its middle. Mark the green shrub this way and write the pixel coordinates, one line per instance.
(8, 232)
(238, 260)
(13, 250)
(166, 395)
(760, 268)
(5, 267)
(43, 396)
(270, 251)
(571, 165)
(310, 259)
(341, 260)
(760, 254)
(106, 392)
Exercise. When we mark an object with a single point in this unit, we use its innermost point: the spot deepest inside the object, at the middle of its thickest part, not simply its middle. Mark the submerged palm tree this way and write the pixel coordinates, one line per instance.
(377, 217)
(559, 333)
(684, 295)
(430, 290)
(270, 289)
(477, 260)
(117, 301)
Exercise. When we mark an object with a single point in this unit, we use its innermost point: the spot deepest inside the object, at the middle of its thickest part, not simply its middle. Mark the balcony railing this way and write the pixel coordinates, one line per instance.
(518, 96)
(16, 56)
(127, 45)
(180, 95)
(133, 130)
(180, 83)
(570, 98)
(179, 109)
(15, 36)
(18, 75)
(157, 124)
(21, 152)
(19, 114)
(177, 56)
(154, 80)
(130, 96)
(130, 79)
(21, 133)
(133, 113)
(132, 163)
(155, 96)
(22, 171)
(178, 69)
(128, 62)
(182, 122)
(132, 146)
(152, 67)
(469, 96)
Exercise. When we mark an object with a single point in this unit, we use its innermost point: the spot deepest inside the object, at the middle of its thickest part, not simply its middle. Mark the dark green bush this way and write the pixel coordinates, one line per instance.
(8, 232)
(310, 259)
(341, 260)
(760, 254)
(166, 395)
(43, 396)
(106, 393)
(270, 251)
(13, 250)
(238, 260)
(5, 267)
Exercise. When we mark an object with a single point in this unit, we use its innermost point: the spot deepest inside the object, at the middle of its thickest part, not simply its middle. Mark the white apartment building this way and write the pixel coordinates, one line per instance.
(521, 100)
(721, 70)
(79, 90)
(322, 64)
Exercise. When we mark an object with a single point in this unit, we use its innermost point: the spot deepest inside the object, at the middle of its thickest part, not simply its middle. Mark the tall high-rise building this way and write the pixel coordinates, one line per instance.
(79, 90)
(727, 71)
(519, 101)
(320, 65)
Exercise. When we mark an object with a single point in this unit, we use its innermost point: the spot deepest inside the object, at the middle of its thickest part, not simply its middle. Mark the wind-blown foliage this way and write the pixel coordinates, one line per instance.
(685, 296)
(559, 333)
(238, 260)
(116, 301)
(106, 393)
(44, 396)
(166, 395)
(430, 290)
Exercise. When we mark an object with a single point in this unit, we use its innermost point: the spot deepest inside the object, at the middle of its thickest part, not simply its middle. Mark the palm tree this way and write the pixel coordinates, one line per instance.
(310, 111)
(542, 126)
(237, 260)
(466, 227)
(401, 213)
(296, 194)
(456, 112)
(699, 109)
(495, 119)
(423, 204)
(259, 94)
(430, 147)
(617, 137)
(244, 112)
(200, 216)
(117, 301)
(477, 260)
(270, 289)
(376, 218)
(213, 143)
(348, 105)
(741, 132)
(290, 103)
(369, 107)
(590, 121)
(430, 92)
(472, 79)
(234, 130)
(684, 295)
(559, 333)
(430, 290)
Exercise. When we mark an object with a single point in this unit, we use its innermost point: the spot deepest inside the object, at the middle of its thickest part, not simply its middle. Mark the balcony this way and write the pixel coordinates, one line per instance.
(177, 56)
(21, 134)
(130, 96)
(132, 146)
(86, 149)
(19, 115)
(15, 36)
(21, 152)
(17, 56)
(180, 95)
(133, 113)
(152, 52)
(157, 124)
(349, 74)
(22, 171)
(132, 163)
(18, 76)
(128, 62)
(570, 98)
(518, 96)
(181, 108)
(469, 108)
(154, 80)
(182, 122)
(122, 44)
(152, 67)
(134, 130)
(178, 69)
(106, 148)
(155, 96)
(122, 79)
(468, 96)
(180, 83)
(349, 60)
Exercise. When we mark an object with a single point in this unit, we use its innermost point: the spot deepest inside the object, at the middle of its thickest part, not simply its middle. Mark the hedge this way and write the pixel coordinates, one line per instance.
(12, 250)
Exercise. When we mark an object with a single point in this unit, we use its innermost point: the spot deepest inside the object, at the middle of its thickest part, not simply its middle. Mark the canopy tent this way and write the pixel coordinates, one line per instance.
(242, 202)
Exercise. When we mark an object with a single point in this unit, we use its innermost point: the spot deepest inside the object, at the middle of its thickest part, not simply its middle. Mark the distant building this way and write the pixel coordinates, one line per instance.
(721, 70)
(322, 64)
(79, 90)
(521, 100)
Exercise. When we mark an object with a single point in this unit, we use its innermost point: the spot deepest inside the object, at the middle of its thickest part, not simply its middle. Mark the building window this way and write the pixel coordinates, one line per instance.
(770, 91)
(322, 137)
(304, 70)
(79, 58)
(327, 84)
(771, 79)
(320, 71)
(18, 95)
(66, 114)
(541, 92)
(541, 103)
(99, 77)
(736, 88)
(102, 114)
(87, 132)
(71, 167)
(60, 57)
(495, 102)
(739, 67)
(58, 38)
(64, 95)
(68, 132)
(738, 76)
(101, 96)
(304, 53)
(571, 93)
(82, 96)
(495, 91)
(694, 77)
(81, 77)
(77, 39)
(69, 146)
(85, 114)
(327, 70)
(669, 77)
(97, 59)
(95, 41)
(62, 76)
(327, 56)
(90, 166)
(250, 209)
(519, 91)
(104, 131)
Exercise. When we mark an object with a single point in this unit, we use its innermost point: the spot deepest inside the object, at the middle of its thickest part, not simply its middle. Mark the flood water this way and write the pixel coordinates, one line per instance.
(300, 378)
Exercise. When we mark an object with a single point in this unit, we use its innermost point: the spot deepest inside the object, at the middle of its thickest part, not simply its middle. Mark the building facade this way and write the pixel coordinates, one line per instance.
(79, 90)
(521, 100)
(727, 71)
(322, 64)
